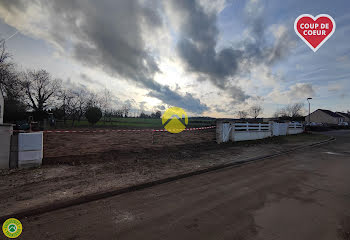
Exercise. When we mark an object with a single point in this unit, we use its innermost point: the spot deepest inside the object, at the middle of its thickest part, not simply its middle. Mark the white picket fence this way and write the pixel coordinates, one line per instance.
(295, 128)
(251, 126)
(229, 130)
(295, 125)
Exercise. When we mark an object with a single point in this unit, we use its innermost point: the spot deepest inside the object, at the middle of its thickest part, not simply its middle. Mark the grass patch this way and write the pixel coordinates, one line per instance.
(134, 123)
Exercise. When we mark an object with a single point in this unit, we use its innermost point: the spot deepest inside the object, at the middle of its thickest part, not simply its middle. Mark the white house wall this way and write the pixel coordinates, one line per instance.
(321, 117)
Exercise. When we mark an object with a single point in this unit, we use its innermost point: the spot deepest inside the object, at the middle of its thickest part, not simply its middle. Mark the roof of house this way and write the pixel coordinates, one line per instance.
(330, 113)
(343, 114)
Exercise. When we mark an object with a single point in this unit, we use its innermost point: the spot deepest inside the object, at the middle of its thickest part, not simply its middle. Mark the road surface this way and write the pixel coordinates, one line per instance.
(303, 195)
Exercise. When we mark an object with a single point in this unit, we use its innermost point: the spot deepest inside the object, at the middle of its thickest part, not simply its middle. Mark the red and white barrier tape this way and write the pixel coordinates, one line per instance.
(186, 129)
(117, 130)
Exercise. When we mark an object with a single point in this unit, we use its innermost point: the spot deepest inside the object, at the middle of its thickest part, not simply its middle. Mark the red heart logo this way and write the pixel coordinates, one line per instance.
(314, 31)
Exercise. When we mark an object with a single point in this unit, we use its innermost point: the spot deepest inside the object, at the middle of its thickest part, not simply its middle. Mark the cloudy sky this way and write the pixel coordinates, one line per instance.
(212, 58)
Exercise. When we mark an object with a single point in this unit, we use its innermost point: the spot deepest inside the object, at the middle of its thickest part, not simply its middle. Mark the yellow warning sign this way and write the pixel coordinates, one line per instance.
(175, 120)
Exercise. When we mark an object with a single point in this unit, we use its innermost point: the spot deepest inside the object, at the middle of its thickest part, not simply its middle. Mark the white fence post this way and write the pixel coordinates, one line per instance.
(233, 129)
(219, 131)
(247, 127)
(226, 131)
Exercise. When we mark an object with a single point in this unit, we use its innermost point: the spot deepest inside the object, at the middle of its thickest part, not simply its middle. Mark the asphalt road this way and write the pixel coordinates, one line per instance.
(303, 195)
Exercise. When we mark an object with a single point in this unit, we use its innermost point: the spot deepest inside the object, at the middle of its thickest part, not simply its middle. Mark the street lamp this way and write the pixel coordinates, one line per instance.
(309, 107)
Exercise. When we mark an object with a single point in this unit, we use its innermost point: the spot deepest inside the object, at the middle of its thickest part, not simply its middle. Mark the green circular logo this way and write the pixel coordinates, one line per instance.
(12, 228)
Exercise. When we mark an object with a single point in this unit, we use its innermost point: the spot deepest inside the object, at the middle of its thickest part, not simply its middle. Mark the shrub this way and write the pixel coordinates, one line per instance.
(93, 114)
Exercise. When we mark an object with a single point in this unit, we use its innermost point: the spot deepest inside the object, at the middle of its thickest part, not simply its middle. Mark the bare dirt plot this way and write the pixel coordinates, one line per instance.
(100, 167)
(295, 196)
(73, 144)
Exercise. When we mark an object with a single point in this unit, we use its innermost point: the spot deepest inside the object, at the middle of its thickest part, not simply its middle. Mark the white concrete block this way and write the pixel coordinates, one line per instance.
(30, 141)
(249, 135)
(30, 159)
(30, 155)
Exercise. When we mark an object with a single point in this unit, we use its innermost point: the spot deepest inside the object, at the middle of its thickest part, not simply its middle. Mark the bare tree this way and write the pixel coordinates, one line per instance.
(4, 55)
(11, 87)
(69, 102)
(294, 110)
(255, 111)
(40, 88)
(280, 113)
(9, 81)
(118, 113)
(92, 100)
(242, 114)
(126, 110)
(73, 106)
(276, 114)
(81, 102)
(290, 111)
(105, 102)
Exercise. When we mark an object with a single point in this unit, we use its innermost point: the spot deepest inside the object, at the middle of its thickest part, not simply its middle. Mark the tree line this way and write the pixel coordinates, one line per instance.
(289, 112)
(37, 91)
(253, 112)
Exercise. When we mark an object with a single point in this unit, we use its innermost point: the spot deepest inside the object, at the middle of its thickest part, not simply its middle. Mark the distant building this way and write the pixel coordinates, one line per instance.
(325, 117)
(345, 115)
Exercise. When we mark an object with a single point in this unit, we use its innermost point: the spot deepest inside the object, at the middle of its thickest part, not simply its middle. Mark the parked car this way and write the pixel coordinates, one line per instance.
(22, 125)
(315, 124)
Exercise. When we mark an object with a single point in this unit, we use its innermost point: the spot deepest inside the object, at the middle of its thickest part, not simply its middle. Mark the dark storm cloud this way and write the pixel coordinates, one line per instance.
(110, 37)
(187, 102)
(198, 42)
(237, 94)
(108, 34)
(12, 5)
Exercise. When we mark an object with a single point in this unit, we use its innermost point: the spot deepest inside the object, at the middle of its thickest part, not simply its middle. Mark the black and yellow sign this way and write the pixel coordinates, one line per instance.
(175, 120)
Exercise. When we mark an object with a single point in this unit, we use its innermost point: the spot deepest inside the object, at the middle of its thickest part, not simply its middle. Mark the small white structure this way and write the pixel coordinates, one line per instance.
(295, 128)
(279, 129)
(30, 149)
(230, 130)
(250, 131)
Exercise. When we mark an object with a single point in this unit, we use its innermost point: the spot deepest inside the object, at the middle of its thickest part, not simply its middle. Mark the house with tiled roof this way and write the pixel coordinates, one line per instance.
(325, 117)
(345, 115)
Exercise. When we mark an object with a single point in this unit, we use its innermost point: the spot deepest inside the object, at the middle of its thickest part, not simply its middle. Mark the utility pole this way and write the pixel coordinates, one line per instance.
(309, 107)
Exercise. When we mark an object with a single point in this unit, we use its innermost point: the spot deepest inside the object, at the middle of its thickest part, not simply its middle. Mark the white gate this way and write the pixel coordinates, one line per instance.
(279, 129)
(226, 130)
